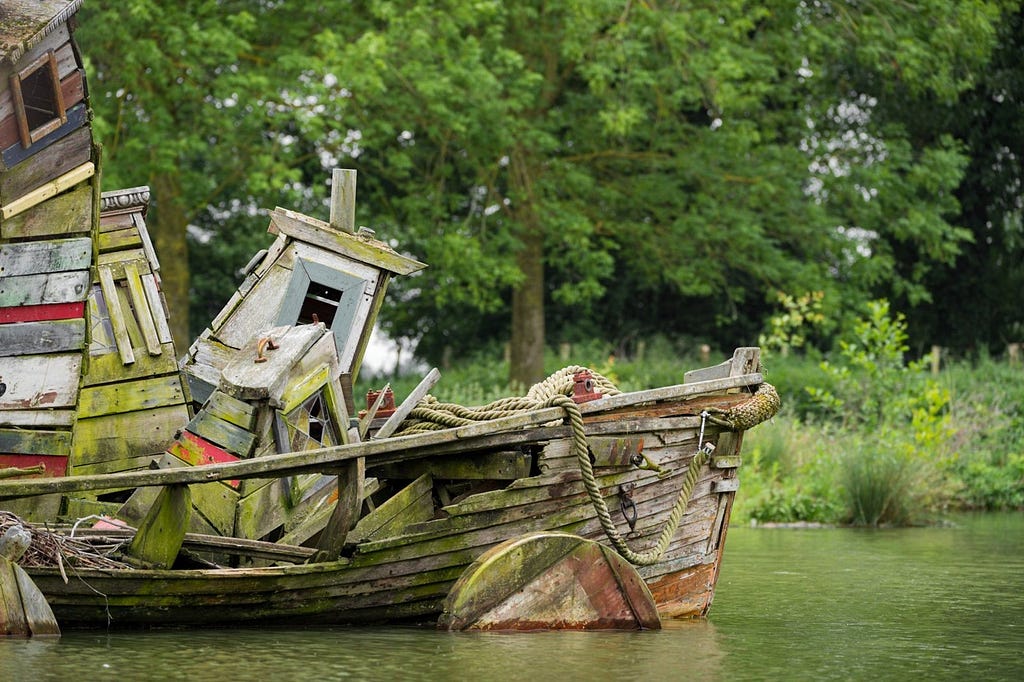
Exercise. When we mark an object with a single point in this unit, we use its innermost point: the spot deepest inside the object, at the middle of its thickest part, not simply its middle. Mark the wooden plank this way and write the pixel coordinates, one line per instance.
(504, 431)
(117, 316)
(370, 251)
(23, 338)
(417, 394)
(52, 464)
(65, 214)
(42, 312)
(61, 184)
(129, 396)
(60, 166)
(31, 441)
(37, 418)
(237, 412)
(411, 504)
(140, 304)
(728, 485)
(38, 615)
(40, 381)
(58, 287)
(132, 434)
(157, 308)
(118, 240)
(58, 255)
(236, 440)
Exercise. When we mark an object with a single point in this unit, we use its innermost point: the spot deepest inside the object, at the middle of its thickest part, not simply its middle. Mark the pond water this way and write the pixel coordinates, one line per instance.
(922, 603)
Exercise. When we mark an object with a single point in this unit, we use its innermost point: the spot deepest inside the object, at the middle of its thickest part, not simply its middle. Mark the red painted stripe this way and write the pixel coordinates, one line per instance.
(198, 451)
(56, 465)
(42, 312)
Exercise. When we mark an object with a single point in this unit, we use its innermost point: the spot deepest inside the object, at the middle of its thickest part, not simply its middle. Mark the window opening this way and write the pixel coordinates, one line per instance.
(322, 301)
(309, 425)
(39, 104)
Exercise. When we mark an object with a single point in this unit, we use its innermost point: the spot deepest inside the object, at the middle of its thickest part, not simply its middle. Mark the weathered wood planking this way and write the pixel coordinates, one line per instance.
(119, 240)
(140, 305)
(122, 436)
(15, 156)
(130, 396)
(195, 450)
(34, 442)
(65, 214)
(499, 466)
(410, 505)
(64, 155)
(236, 440)
(118, 318)
(58, 255)
(26, 338)
(37, 418)
(53, 464)
(319, 233)
(11, 208)
(237, 412)
(42, 312)
(157, 307)
(107, 368)
(40, 381)
(255, 314)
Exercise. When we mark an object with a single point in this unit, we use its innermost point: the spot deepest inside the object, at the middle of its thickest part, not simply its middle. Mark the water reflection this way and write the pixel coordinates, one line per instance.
(941, 603)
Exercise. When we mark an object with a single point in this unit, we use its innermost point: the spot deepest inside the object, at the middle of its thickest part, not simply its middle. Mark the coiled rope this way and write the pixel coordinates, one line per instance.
(430, 414)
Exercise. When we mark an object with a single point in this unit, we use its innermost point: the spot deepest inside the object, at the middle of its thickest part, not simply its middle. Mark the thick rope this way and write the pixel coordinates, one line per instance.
(430, 414)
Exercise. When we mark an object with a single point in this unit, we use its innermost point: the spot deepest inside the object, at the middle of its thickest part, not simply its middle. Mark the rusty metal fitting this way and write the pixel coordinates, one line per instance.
(264, 344)
(583, 387)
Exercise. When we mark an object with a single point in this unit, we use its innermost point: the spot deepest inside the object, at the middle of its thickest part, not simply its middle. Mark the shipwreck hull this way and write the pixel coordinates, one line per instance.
(406, 575)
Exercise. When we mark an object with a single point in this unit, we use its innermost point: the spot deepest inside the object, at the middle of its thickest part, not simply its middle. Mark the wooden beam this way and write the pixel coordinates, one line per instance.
(343, 200)
(417, 394)
(117, 316)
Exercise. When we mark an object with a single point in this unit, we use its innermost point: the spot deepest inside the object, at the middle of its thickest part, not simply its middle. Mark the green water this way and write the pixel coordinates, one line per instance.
(923, 603)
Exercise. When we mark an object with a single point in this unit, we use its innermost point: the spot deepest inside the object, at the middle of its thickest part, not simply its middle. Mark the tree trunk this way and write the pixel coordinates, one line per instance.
(526, 365)
(167, 224)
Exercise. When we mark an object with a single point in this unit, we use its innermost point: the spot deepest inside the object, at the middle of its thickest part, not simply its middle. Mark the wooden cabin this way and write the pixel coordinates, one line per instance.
(274, 371)
(87, 368)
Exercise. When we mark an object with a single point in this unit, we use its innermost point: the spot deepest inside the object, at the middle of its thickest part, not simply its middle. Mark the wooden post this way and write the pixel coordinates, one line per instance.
(705, 353)
(936, 358)
(159, 538)
(346, 510)
(343, 200)
(1013, 353)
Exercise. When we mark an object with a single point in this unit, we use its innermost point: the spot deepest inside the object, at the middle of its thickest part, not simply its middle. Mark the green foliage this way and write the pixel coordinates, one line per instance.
(798, 317)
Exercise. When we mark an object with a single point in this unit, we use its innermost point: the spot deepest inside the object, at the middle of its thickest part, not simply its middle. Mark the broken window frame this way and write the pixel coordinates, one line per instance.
(30, 135)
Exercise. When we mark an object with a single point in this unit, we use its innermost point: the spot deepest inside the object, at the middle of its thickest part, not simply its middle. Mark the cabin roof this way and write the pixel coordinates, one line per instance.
(23, 23)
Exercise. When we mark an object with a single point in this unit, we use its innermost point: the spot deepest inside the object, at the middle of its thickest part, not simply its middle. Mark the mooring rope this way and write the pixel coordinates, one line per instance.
(430, 414)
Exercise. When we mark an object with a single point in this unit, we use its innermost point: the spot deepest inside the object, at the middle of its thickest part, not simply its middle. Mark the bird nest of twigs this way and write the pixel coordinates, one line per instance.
(50, 549)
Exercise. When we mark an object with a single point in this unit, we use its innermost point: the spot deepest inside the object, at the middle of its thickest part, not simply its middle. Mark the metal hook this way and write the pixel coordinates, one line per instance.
(265, 343)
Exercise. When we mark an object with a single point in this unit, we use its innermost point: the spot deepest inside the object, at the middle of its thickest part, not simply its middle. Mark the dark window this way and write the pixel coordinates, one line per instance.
(39, 105)
(322, 301)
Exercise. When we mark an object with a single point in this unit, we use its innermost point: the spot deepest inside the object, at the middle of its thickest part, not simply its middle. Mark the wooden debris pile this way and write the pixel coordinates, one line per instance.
(49, 549)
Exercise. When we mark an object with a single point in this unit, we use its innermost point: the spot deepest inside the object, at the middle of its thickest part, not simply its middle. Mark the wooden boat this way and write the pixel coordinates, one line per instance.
(400, 559)
(253, 493)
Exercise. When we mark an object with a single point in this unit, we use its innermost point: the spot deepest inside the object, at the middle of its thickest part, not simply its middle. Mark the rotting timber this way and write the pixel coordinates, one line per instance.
(238, 487)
